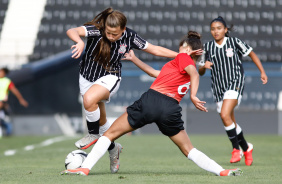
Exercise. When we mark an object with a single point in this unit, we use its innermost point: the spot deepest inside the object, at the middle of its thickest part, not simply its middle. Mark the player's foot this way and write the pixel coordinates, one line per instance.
(87, 141)
(236, 156)
(114, 158)
(231, 172)
(78, 171)
(248, 155)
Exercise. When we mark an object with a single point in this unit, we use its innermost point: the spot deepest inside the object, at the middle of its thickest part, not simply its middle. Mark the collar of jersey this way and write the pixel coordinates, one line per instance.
(122, 35)
(222, 44)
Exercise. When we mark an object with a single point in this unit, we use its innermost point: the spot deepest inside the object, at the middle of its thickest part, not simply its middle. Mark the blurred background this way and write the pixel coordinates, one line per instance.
(35, 47)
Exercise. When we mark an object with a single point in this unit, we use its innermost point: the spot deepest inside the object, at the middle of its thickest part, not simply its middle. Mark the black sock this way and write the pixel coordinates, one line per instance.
(93, 127)
(111, 146)
(232, 135)
(243, 143)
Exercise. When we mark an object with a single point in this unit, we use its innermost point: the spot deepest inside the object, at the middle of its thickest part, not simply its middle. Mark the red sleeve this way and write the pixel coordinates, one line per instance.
(184, 60)
(11, 85)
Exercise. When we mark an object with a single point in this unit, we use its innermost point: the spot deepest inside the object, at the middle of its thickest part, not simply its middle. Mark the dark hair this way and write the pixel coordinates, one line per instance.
(192, 39)
(220, 19)
(6, 70)
(111, 18)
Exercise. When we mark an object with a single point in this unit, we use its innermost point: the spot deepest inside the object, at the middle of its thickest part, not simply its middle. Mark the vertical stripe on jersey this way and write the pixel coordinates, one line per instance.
(91, 70)
(227, 72)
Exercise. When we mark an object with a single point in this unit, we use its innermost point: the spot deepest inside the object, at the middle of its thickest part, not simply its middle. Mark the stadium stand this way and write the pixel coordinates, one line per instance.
(163, 22)
(3, 9)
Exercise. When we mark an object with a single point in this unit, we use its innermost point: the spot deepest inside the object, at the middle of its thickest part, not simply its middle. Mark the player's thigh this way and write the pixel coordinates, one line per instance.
(119, 128)
(183, 142)
(95, 94)
(228, 106)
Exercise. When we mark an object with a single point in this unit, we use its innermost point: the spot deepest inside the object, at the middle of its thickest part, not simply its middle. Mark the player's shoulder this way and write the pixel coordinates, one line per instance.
(233, 38)
(207, 44)
(130, 31)
(183, 55)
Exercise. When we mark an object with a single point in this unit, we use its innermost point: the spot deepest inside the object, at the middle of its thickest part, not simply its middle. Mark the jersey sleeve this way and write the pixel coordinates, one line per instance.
(243, 48)
(91, 31)
(137, 42)
(184, 60)
(11, 85)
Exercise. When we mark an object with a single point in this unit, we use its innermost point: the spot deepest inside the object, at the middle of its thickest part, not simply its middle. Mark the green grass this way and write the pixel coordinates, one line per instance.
(145, 159)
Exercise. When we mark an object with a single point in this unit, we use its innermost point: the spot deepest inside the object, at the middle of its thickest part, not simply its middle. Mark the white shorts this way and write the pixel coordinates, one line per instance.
(110, 82)
(230, 94)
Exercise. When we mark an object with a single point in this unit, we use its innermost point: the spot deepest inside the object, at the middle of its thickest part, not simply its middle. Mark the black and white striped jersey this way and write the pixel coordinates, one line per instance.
(227, 71)
(90, 69)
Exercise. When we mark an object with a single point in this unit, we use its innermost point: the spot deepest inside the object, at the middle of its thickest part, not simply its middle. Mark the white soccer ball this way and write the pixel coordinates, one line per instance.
(74, 159)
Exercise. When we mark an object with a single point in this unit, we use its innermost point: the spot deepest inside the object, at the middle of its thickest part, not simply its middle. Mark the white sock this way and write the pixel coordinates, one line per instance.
(238, 129)
(230, 127)
(204, 162)
(92, 116)
(105, 127)
(97, 152)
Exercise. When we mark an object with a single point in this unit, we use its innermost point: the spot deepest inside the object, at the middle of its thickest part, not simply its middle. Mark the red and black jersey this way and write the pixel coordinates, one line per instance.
(173, 80)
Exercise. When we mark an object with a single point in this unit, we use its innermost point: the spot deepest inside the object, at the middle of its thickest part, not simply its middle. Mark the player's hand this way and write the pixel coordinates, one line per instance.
(195, 52)
(77, 50)
(263, 78)
(23, 102)
(198, 103)
(208, 65)
(129, 56)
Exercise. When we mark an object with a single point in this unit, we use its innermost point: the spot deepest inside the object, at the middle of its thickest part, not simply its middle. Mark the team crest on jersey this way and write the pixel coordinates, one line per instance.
(122, 49)
(229, 52)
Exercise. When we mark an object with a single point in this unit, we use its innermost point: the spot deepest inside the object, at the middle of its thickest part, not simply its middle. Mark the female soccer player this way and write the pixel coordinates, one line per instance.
(160, 104)
(223, 58)
(108, 39)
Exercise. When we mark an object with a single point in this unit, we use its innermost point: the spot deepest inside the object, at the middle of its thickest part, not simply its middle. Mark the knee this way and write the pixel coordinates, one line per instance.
(89, 102)
(225, 116)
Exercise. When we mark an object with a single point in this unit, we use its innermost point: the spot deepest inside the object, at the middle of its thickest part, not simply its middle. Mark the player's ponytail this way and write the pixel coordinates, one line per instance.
(220, 19)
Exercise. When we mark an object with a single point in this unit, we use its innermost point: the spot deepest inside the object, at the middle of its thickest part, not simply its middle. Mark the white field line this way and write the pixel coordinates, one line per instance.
(47, 142)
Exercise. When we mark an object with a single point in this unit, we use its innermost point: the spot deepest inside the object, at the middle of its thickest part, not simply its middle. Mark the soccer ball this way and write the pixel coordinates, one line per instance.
(74, 159)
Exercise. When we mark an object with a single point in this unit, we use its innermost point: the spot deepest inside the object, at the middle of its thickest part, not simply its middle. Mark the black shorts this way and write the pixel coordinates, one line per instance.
(154, 107)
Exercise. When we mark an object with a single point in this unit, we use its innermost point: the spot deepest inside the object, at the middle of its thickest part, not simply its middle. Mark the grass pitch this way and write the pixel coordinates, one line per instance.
(147, 159)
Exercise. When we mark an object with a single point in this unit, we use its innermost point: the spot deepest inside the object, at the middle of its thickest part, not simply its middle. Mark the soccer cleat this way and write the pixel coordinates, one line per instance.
(78, 171)
(114, 158)
(236, 156)
(248, 155)
(231, 172)
(87, 141)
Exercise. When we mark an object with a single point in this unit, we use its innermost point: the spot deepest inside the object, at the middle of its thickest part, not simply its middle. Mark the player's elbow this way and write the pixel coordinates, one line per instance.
(154, 73)
(202, 71)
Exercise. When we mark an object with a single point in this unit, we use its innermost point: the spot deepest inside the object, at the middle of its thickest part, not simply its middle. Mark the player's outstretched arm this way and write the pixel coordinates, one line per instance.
(256, 60)
(143, 66)
(194, 85)
(74, 34)
(160, 51)
(19, 96)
